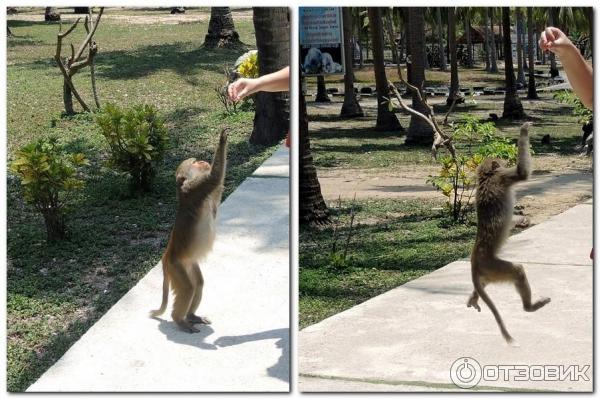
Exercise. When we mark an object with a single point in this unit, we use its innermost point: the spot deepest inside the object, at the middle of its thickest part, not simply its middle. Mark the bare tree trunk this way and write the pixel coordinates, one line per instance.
(551, 56)
(322, 96)
(221, 30)
(520, 71)
(351, 108)
(468, 35)
(272, 115)
(454, 94)
(312, 207)
(494, 51)
(386, 120)
(419, 131)
(531, 91)
(486, 41)
(51, 14)
(389, 29)
(68, 98)
(442, 52)
(513, 109)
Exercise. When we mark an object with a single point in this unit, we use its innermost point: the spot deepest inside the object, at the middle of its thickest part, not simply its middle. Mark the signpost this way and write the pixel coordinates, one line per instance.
(321, 41)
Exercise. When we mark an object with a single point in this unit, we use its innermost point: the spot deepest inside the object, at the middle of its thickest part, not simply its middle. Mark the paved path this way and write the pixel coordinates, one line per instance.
(246, 297)
(408, 337)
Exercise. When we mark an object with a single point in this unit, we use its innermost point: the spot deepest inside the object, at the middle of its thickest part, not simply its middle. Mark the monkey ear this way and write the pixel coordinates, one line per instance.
(182, 184)
(495, 165)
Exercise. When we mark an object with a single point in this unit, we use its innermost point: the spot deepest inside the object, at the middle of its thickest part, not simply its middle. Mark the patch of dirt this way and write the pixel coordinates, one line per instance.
(144, 17)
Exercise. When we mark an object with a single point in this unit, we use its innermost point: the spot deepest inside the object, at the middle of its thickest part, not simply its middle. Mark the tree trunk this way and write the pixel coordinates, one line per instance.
(322, 96)
(419, 131)
(494, 51)
(531, 91)
(51, 14)
(513, 109)
(441, 51)
(221, 30)
(56, 229)
(272, 115)
(486, 41)
(551, 55)
(520, 69)
(312, 207)
(469, 41)
(389, 28)
(386, 120)
(453, 95)
(351, 108)
(68, 98)
(81, 10)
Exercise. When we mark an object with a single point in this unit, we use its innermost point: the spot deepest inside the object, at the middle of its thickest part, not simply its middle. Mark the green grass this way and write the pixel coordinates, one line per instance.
(392, 242)
(57, 291)
(354, 144)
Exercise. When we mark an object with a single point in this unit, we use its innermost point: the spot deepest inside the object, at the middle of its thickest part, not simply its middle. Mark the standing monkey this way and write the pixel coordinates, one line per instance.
(495, 202)
(199, 190)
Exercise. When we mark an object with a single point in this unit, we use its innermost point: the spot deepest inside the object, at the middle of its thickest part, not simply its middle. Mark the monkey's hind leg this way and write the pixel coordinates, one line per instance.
(199, 280)
(522, 286)
(184, 288)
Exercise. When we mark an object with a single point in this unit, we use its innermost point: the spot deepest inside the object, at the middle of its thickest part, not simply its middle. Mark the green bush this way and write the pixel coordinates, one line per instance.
(48, 175)
(137, 138)
(457, 179)
(568, 97)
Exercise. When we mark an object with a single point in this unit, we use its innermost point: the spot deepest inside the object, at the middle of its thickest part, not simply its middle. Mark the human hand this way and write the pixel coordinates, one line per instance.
(241, 88)
(553, 39)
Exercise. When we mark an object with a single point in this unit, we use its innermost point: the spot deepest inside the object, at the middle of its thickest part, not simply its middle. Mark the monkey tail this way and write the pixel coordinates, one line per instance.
(165, 294)
(490, 304)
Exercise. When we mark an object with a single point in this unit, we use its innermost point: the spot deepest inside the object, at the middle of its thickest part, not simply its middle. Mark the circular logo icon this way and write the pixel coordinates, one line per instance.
(465, 372)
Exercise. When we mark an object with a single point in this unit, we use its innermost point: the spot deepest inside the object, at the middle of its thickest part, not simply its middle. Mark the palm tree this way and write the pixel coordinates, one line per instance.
(493, 50)
(486, 39)
(552, 19)
(389, 30)
(51, 14)
(312, 207)
(520, 69)
(386, 119)
(467, 22)
(419, 131)
(442, 53)
(513, 109)
(531, 91)
(454, 94)
(322, 96)
(351, 108)
(221, 30)
(272, 116)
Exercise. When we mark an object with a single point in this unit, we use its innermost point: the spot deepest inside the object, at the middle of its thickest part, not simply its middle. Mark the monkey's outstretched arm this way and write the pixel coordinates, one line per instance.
(219, 163)
(523, 168)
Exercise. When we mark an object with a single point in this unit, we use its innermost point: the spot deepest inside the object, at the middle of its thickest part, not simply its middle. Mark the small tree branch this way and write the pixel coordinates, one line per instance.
(90, 34)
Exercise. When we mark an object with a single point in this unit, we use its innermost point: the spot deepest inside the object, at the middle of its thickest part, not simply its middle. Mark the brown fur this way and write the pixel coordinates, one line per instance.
(495, 202)
(199, 190)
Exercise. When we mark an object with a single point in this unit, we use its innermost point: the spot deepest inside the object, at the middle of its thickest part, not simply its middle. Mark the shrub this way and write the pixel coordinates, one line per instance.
(48, 175)
(457, 178)
(137, 138)
(568, 97)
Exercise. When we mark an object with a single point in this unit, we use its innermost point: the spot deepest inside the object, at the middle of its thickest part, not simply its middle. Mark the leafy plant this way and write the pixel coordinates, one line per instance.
(48, 175)
(137, 138)
(457, 178)
(568, 97)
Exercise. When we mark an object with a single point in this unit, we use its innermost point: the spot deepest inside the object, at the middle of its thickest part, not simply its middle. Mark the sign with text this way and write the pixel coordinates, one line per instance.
(321, 41)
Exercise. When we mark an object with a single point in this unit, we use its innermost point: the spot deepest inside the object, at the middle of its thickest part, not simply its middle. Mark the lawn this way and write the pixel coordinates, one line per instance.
(391, 242)
(56, 292)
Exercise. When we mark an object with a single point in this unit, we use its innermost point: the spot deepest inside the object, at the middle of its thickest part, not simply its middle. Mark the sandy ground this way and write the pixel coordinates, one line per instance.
(557, 183)
(145, 17)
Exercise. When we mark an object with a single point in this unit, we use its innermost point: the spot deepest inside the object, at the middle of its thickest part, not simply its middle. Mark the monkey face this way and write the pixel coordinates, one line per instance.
(191, 170)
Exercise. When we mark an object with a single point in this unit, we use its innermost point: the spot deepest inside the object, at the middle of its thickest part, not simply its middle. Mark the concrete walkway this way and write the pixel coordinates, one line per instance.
(407, 338)
(246, 296)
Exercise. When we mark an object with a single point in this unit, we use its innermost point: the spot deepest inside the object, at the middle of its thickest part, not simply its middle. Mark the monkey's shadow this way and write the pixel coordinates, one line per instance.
(280, 369)
(173, 333)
